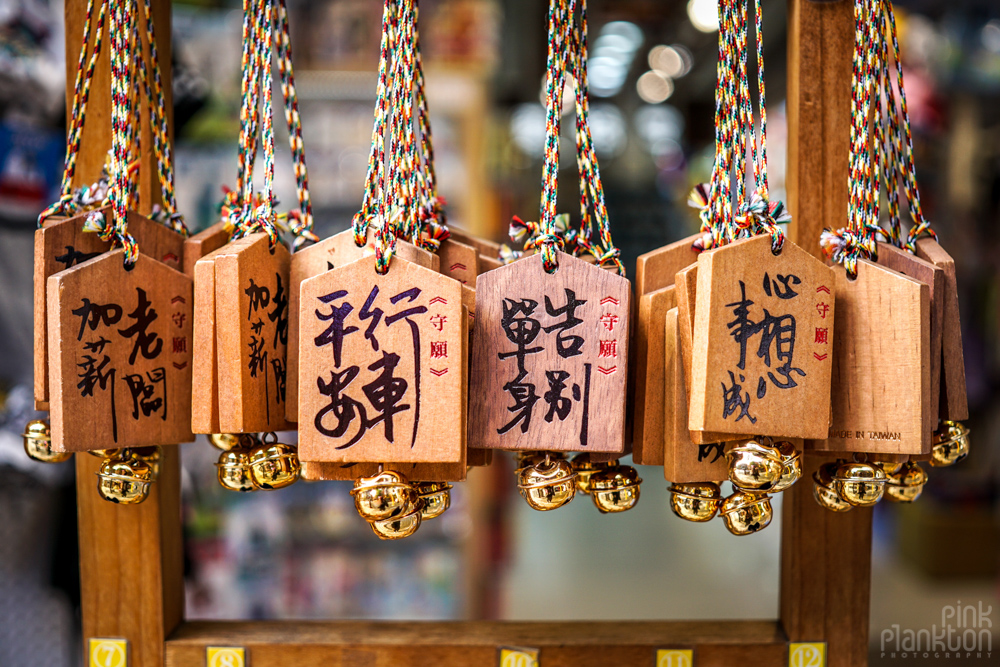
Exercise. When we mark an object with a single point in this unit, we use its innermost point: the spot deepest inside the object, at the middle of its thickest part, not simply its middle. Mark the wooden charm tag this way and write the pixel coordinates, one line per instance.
(658, 268)
(204, 358)
(881, 381)
(550, 357)
(382, 365)
(459, 261)
(647, 434)
(251, 334)
(202, 243)
(763, 338)
(120, 354)
(489, 251)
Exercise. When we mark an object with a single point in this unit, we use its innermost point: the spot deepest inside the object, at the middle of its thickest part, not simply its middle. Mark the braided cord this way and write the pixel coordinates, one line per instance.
(122, 127)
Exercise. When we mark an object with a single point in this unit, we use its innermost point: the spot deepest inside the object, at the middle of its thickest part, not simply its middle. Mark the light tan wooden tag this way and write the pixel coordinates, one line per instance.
(881, 381)
(202, 243)
(550, 357)
(62, 244)
(119, 354)
(330, 253)
(954, 403)
(904, 262)
(251, 334)
(204, 357)
(683, 461)
(658, 268)
(763, 337)
(647, 434)
(382, 365)
(459, 261)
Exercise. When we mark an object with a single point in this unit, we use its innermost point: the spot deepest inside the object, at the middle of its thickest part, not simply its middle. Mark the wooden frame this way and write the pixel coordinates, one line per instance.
(131, 557)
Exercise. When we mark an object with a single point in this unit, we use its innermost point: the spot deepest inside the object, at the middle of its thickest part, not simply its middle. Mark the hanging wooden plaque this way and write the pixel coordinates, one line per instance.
(382, 365)
(459, 261)
(204, 356)
(489, 251)
(202, 243)
(60, 244)
(763, 335)
(251, 333)
(550, 357)
(119, 354)
(658, 268)
(954, 404)
(683, 461)
(881, 381)
(647, 433)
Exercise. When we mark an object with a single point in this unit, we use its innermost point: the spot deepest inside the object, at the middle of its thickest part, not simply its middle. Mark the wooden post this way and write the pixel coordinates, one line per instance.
(131, 569)
(825, 557)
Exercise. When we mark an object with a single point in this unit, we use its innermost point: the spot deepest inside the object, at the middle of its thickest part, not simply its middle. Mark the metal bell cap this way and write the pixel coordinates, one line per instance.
(791, 465)
(860, 484)
(274, 466)
(890, 468)
(615, 489)
(754, 466)
(383, 496)
(398, 527)
(435, 498)
(124, 480)
(38, 443)
(906, 484)
(950, 444)
(746, 512)
(224, 441)
(234, 470)
(547, 485)
(151, 456)
(825, 490)
(696, 501)
(585, 468)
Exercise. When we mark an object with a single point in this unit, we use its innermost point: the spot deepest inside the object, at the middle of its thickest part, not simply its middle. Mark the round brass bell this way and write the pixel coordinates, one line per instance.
(435, 498)
(585, 469)
(615, 489)
(889, 467)
(38, 443)
(907, 484)
(860, 484)
(754, 466)
(150, 456)
(698, 501)
(398, 527)
(234, 470)
(274, 465)
(224, 441)
(825, 490)
(791, 465)
(950, 444)
(746, 512)
(383, 496)
(124, 480)
(547, 485)
(103, 453)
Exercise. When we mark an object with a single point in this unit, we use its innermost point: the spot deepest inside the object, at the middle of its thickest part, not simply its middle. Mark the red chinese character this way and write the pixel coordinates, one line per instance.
(821, 335)
(179, 319)
(608, 348)
(823, 309)
(180, 344)
(439, 349)
(438, 321)
(609, 321)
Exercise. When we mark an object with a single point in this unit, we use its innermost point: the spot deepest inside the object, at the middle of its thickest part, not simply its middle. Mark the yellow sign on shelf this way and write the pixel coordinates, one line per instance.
(225, 656)
(518, 657)
(105, 652)
(807, 654)
(674, 657)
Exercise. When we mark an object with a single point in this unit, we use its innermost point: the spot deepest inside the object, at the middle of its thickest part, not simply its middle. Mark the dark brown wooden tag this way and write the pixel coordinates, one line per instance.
(647, 433)
(550, 357)
(119, 354)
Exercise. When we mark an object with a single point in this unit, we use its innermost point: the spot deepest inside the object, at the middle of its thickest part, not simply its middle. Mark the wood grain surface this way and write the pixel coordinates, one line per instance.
(648, 415)
(658, 268)
(198, 245)
(204, 357)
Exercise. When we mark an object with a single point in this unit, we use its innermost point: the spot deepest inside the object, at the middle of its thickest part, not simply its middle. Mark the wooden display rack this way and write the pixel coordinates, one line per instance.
(131, 557)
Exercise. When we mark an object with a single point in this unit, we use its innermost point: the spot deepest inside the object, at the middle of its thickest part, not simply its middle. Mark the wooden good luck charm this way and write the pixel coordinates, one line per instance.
(550, 357)
(382, 365)
(203, 243)
(647, 434)
(459, 261)
(763, 335)
(881, 381)
(119, 354)
(489, 251)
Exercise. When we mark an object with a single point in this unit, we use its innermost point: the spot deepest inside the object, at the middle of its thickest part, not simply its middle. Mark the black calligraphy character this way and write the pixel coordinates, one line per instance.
(344, 408)
(559, 405)
(780, 331)
(705, 451)
(74, 256)
(280, 379)
(522, 330)
(783, 291)
(93, 314)
(143, 397)
(410, 295)
(148, 342)
(375, 316)
(259, 295)
(385, 392)
(566, 346)
(96, 346)
(742, 328)
(525, 398)
(258, 356)
(257, 327)
(734, 399)
(279, 315)
(334, 334)
(91, 376)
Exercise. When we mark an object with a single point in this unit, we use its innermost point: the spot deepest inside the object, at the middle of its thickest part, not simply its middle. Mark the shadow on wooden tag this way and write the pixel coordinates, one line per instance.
(382, 365)
(550, 357)
(881, 382)
(954, 403)
(251, 334)
(760, 360)
(647, 421)
(204, 242)
(119, 354)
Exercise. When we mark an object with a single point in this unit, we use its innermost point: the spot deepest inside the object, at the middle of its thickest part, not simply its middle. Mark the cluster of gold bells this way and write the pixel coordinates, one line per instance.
(395, 507)
(248, 463)
(547, 481)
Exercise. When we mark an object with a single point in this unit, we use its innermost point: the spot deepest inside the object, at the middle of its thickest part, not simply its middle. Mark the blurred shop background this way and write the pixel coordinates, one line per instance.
(303, 552)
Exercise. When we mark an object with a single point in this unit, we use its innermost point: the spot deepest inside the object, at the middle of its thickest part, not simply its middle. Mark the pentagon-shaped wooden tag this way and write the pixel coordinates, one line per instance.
(881, 378)
(382, 365)
(119, 354)
(459, 261)
(204, 358)
(204, 242)
(550, 357)
(647, 433)
(251, 334)
(489, 251)
(658, 268)
(763, 338)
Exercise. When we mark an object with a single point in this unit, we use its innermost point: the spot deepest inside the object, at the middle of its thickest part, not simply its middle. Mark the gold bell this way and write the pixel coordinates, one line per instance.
(950, 445)
(548, 484)
(384, 496)
(398, 527)
(754, 466)
(791, 466)
(890, 468)
(435, 498)
(38, 443)
(124, 479)
(906, 485)
(274, 465)
(224, 441)
(746, 512)
(697, 501)
(585, 469)
(860, 484)
(150, 456)
(615, 489)
(103, 453)
(234, 468)
(825, 490)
